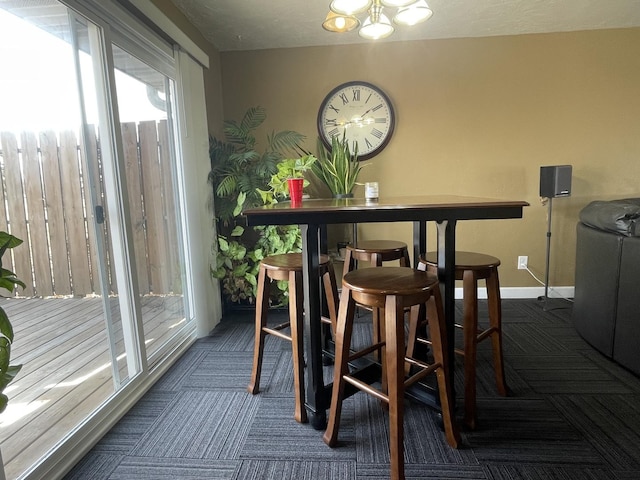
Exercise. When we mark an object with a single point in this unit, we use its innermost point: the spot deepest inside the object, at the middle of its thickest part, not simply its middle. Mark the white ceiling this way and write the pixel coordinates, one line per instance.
(260, 24)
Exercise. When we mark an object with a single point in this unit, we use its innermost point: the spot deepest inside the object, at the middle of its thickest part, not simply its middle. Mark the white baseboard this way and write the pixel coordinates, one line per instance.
(525, 292)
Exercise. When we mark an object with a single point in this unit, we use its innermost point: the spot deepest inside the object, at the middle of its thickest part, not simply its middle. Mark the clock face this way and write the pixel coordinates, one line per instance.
(360, 111)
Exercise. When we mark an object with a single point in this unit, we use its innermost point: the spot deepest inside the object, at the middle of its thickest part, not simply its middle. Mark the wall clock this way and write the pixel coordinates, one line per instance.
(362, 112)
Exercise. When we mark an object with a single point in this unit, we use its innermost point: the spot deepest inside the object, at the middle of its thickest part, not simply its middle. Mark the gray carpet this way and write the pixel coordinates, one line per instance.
(572, 414)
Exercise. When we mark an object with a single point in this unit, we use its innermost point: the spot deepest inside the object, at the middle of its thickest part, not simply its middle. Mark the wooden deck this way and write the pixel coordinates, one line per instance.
(63, 346)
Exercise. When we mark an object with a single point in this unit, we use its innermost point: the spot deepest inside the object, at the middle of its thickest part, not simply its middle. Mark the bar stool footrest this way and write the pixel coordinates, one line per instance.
(276, 331)
(366, 388)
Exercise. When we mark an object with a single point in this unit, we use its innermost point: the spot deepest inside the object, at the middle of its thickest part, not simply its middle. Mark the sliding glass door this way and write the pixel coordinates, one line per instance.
(88, 179)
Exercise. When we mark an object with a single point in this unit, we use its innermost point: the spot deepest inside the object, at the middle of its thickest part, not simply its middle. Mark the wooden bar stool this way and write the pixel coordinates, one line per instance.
(288, 267)
(375, 252)
(392, 289)
(471, 267)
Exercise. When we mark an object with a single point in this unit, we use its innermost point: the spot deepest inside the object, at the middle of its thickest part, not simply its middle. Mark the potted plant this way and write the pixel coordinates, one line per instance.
(239, 173)
(289, 170)
(338, 167)
(8, 281)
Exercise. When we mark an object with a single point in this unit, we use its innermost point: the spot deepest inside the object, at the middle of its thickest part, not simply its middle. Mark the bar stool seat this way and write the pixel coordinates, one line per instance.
(288, 267)
(471, 267)
(392, 289)
(375, 252)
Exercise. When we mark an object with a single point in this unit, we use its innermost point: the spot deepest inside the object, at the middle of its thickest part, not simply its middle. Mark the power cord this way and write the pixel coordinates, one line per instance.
(550, 288)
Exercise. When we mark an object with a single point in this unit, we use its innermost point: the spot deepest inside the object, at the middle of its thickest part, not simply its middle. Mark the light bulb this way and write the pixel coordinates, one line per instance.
(396, 3)
(376, 30)
(413, 14)
(349, 7)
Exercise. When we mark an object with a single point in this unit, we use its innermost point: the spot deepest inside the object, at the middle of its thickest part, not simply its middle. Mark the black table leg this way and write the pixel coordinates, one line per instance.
(446, 275)
(419, 241)
(316, 400)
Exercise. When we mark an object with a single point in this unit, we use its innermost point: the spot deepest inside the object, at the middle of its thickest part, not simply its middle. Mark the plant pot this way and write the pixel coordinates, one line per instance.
(343, 195)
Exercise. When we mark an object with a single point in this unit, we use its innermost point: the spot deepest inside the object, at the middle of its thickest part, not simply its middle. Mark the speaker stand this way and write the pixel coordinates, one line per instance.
(548, 303)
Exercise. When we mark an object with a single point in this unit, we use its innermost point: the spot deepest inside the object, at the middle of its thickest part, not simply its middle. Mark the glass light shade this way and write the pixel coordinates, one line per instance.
(396, 3)
(415, 13)
(375, 30)
(340, 23)
(349, 7)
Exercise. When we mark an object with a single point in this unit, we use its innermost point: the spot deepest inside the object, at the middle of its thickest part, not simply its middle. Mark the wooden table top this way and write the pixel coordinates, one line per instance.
(385, 209)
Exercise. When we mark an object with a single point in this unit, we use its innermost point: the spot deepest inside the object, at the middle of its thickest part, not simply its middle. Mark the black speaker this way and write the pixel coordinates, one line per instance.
(555, 181)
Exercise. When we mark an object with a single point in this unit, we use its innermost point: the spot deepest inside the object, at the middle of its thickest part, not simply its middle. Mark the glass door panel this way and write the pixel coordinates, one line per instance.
(91, 186)
(67, 321)
(145, 108)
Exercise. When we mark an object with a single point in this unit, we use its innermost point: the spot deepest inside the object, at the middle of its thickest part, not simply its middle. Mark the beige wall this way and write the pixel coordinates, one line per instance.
(212, 80)
(475, 117)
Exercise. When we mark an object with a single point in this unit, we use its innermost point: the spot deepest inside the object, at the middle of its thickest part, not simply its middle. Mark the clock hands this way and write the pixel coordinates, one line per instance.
(357, 120)
(360, 121)
(362, 116)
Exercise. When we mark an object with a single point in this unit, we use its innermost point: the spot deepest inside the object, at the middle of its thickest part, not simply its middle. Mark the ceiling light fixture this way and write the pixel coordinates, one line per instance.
(336, 22)
(342, 16)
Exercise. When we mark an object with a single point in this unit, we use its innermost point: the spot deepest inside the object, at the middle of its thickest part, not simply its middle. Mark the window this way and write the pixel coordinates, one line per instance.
(91, 177)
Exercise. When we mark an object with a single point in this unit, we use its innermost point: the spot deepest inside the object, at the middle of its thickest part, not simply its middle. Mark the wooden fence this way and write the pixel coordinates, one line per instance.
(45, 199)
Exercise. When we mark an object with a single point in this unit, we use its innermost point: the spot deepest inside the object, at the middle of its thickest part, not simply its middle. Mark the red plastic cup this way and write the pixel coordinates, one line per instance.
(295, 190)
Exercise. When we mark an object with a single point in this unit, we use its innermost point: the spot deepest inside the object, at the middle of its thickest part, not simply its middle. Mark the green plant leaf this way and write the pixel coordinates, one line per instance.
(251, 279)
(5, 325)
(8, 241)
(237, 231)
(234, 133)
(8, 280)
(227, 186)
(5, 354)
(238, 210)
(286, 140)
(6, 377)
(219, 273)
(241, 270)
(237, 251)
(283, 285)
(253, 118)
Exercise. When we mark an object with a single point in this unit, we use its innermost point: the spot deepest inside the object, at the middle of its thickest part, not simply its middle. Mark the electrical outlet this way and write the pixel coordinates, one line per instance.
(522, 262)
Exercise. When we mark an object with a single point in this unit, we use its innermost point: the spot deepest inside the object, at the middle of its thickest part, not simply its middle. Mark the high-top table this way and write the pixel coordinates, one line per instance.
(312, 215)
